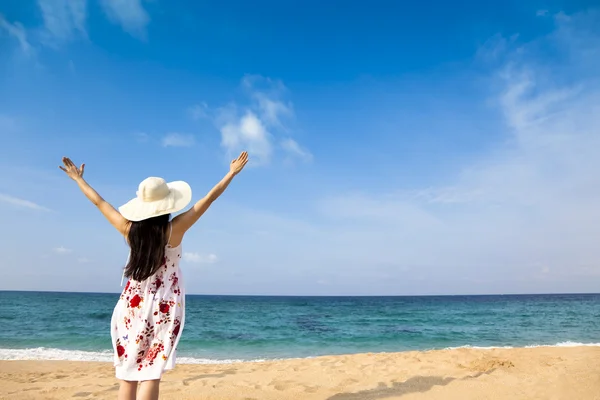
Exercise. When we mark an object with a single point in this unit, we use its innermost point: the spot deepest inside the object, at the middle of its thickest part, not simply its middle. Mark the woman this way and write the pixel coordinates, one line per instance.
(148, 319)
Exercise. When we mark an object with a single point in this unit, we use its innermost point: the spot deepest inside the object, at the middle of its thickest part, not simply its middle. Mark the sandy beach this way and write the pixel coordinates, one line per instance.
(569, 373)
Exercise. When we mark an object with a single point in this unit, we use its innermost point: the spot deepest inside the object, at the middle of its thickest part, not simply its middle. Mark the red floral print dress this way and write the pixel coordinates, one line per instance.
(147, 322)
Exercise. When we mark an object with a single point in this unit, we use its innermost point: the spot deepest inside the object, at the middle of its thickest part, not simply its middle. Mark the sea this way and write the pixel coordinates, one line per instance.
(225, 329)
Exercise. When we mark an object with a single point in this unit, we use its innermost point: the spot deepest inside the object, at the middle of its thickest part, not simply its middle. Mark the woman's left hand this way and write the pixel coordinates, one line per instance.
(71, 169)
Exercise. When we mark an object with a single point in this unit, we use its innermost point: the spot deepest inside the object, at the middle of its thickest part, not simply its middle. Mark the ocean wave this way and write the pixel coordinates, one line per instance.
(43, 353)
(103, 316)
(531, 346)
(51, 354)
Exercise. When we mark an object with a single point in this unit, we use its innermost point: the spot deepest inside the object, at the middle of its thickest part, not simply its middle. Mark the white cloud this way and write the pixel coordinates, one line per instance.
(258, 125)
(62, 250)
(541, 13)
(17, 31)
(200, 258)
(63, 19)
(272, 110)
(294, 149)
(178, 140)
(83, 260)
(247, 133)
(130, 14)
(15, 201)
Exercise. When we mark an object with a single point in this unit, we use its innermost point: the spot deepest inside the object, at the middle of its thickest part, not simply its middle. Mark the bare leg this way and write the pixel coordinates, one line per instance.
(149, 390)
(127, 390)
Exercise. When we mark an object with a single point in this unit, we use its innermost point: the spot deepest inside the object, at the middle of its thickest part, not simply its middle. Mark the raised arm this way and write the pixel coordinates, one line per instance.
(111, 214)
(184, 221)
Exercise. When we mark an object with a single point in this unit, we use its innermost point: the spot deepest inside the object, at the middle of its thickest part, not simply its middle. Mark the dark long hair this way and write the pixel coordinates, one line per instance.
(147, 240)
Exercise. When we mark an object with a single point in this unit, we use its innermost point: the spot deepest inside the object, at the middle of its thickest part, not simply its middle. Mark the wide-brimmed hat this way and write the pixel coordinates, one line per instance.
(156, 197)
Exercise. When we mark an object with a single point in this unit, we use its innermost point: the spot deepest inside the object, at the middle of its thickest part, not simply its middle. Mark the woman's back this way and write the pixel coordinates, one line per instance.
(148, 319)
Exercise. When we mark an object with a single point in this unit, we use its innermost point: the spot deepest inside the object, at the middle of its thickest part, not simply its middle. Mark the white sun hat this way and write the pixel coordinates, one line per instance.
(156, 197)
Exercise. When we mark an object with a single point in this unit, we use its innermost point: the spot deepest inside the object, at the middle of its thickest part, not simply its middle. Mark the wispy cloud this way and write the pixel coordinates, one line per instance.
(383, 209)
(200, 258)
(83, 260)
(256, 126)
(62, 250)
(293, 148)
(267, 94)
(178, 140)
(198, 111)
(63, 19)
(15, 201)
(141, 137)
(17, 31)
(541, 13)
(531, 201)
(445, 195)
(130, 14)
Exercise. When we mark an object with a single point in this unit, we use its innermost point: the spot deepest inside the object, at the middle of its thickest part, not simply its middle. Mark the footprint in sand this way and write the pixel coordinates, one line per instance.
(311, 389)
(281, 385)
(114, 387)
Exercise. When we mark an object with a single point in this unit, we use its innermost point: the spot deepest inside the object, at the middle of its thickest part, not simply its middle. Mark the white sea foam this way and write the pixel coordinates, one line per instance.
(192, 360)
(43, 353)
(531, 346)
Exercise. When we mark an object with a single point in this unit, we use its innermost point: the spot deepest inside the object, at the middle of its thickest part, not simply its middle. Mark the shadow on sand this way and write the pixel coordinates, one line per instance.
(417, 384)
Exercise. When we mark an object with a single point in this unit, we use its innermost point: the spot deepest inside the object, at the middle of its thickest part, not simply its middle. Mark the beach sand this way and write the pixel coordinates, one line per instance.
(569, 373)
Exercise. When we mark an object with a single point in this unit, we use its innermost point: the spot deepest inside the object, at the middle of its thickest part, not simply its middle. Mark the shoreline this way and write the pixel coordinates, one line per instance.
(43, 354)
(461, 373)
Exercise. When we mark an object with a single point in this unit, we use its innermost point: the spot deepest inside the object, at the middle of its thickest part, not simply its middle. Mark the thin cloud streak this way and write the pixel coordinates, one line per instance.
(200, 258)
(15, 201)
(62, 250)
(178, 140)
(17, 31)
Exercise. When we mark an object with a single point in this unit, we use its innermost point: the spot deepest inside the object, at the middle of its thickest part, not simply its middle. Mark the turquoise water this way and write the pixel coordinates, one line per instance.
(76, 325)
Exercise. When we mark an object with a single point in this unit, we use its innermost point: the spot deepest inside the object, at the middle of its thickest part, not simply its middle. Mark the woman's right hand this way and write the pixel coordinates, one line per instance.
(238, 164)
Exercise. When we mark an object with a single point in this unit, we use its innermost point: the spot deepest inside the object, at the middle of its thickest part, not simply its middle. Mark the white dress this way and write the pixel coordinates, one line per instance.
(147, 322)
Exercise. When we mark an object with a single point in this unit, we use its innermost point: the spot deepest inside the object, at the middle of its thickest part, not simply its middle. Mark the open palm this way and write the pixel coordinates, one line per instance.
(71, 169)
(239, 163)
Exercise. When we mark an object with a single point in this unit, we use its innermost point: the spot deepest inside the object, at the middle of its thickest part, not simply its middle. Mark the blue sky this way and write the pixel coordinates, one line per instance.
(440, 148)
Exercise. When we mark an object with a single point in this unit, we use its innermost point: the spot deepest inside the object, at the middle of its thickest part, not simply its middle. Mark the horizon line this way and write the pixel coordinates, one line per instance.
(326, 295)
